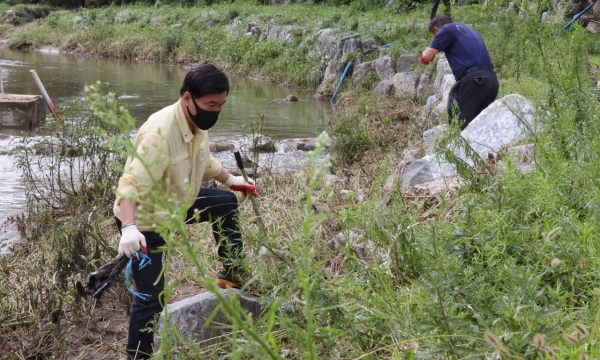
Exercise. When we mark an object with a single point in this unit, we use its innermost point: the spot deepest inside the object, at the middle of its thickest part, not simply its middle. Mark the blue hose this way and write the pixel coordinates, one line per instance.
(387, 45)
(579, 15)
(341, 81)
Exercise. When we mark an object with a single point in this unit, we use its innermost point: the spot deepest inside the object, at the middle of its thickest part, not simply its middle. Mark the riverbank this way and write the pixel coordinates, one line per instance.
(215, 34)
(286, 45)
(506, 266)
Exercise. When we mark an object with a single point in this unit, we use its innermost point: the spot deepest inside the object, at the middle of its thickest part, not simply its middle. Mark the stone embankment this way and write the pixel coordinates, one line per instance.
(396, 76)
(497, 134)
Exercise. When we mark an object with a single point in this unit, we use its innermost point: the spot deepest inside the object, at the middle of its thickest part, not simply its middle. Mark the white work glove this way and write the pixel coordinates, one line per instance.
(237, 183)
(131, 242)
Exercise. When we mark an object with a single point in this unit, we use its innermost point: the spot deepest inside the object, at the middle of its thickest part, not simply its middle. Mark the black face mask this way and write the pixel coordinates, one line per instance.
(203, 119)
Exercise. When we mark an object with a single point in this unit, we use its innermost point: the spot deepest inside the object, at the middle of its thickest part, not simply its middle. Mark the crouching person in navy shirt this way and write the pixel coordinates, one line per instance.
(476, 84)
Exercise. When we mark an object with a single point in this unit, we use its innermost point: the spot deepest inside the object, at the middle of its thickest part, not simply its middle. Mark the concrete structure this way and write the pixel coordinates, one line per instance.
(189, 315)
(21, 111)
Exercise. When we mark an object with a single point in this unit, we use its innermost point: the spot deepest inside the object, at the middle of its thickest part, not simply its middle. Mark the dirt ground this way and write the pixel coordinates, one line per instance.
(107, 329)
(99, 333)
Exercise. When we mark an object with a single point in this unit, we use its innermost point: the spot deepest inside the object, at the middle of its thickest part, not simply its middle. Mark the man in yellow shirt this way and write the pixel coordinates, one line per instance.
(173, 156)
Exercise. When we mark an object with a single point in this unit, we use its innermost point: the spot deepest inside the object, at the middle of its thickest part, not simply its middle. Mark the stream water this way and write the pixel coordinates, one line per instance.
(146, 88)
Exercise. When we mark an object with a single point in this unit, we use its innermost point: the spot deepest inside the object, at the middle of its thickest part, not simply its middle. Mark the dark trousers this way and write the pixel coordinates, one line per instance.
(473, 92)
(214, 205)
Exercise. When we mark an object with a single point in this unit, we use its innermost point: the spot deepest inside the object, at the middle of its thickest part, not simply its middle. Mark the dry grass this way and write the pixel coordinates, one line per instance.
(33, 325)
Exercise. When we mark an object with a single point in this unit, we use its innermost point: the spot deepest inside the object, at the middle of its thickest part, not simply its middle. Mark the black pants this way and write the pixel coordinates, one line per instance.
(215, 205)
(473, 92)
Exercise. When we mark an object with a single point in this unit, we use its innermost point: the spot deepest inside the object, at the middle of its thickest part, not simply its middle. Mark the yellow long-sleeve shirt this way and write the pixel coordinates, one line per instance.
(170, 157)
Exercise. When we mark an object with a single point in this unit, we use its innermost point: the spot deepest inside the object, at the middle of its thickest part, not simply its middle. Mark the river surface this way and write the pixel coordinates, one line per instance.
(146, 88)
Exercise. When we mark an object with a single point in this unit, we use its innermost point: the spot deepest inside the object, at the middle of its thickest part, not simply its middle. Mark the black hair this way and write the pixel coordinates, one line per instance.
(204, 79)
(439, 21)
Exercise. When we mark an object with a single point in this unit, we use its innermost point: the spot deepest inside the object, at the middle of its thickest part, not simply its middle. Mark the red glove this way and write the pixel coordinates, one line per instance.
(237, 183)
(423, 61)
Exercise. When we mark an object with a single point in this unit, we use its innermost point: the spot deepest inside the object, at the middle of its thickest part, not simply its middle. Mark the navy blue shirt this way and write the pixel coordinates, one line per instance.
(463, 47)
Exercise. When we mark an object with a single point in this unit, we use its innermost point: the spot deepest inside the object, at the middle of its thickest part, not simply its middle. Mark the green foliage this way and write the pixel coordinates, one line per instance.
(232, 14)
(405, 6)
(264, 52)
(351, 139)
(369, 81)
(504, 268)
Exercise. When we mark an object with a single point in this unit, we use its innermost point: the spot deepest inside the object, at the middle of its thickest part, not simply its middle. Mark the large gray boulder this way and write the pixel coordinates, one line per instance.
(405, 84)
(427, 169)
(504, 123)
(323, 33)
(328, 44)
(352, 43)
(279, 33)
(405, 62)
(432, 101)
(237, 27)
(328, 40)
(384, 67)
(337, 63)
(273, 32)
(360, 71)
(437, 104)
(447, 82)
(593, 27)
(443, 69)
(425, 87)
(430, 138)
(189, 316)
(384, 87)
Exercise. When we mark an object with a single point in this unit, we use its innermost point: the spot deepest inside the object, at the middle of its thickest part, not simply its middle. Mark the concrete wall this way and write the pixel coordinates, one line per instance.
(21, 111)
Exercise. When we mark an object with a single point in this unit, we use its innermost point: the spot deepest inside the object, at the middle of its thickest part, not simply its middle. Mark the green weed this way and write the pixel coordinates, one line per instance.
(505, 267)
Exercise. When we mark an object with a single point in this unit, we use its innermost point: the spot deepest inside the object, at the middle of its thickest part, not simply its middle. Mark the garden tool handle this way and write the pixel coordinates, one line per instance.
(240, 164)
